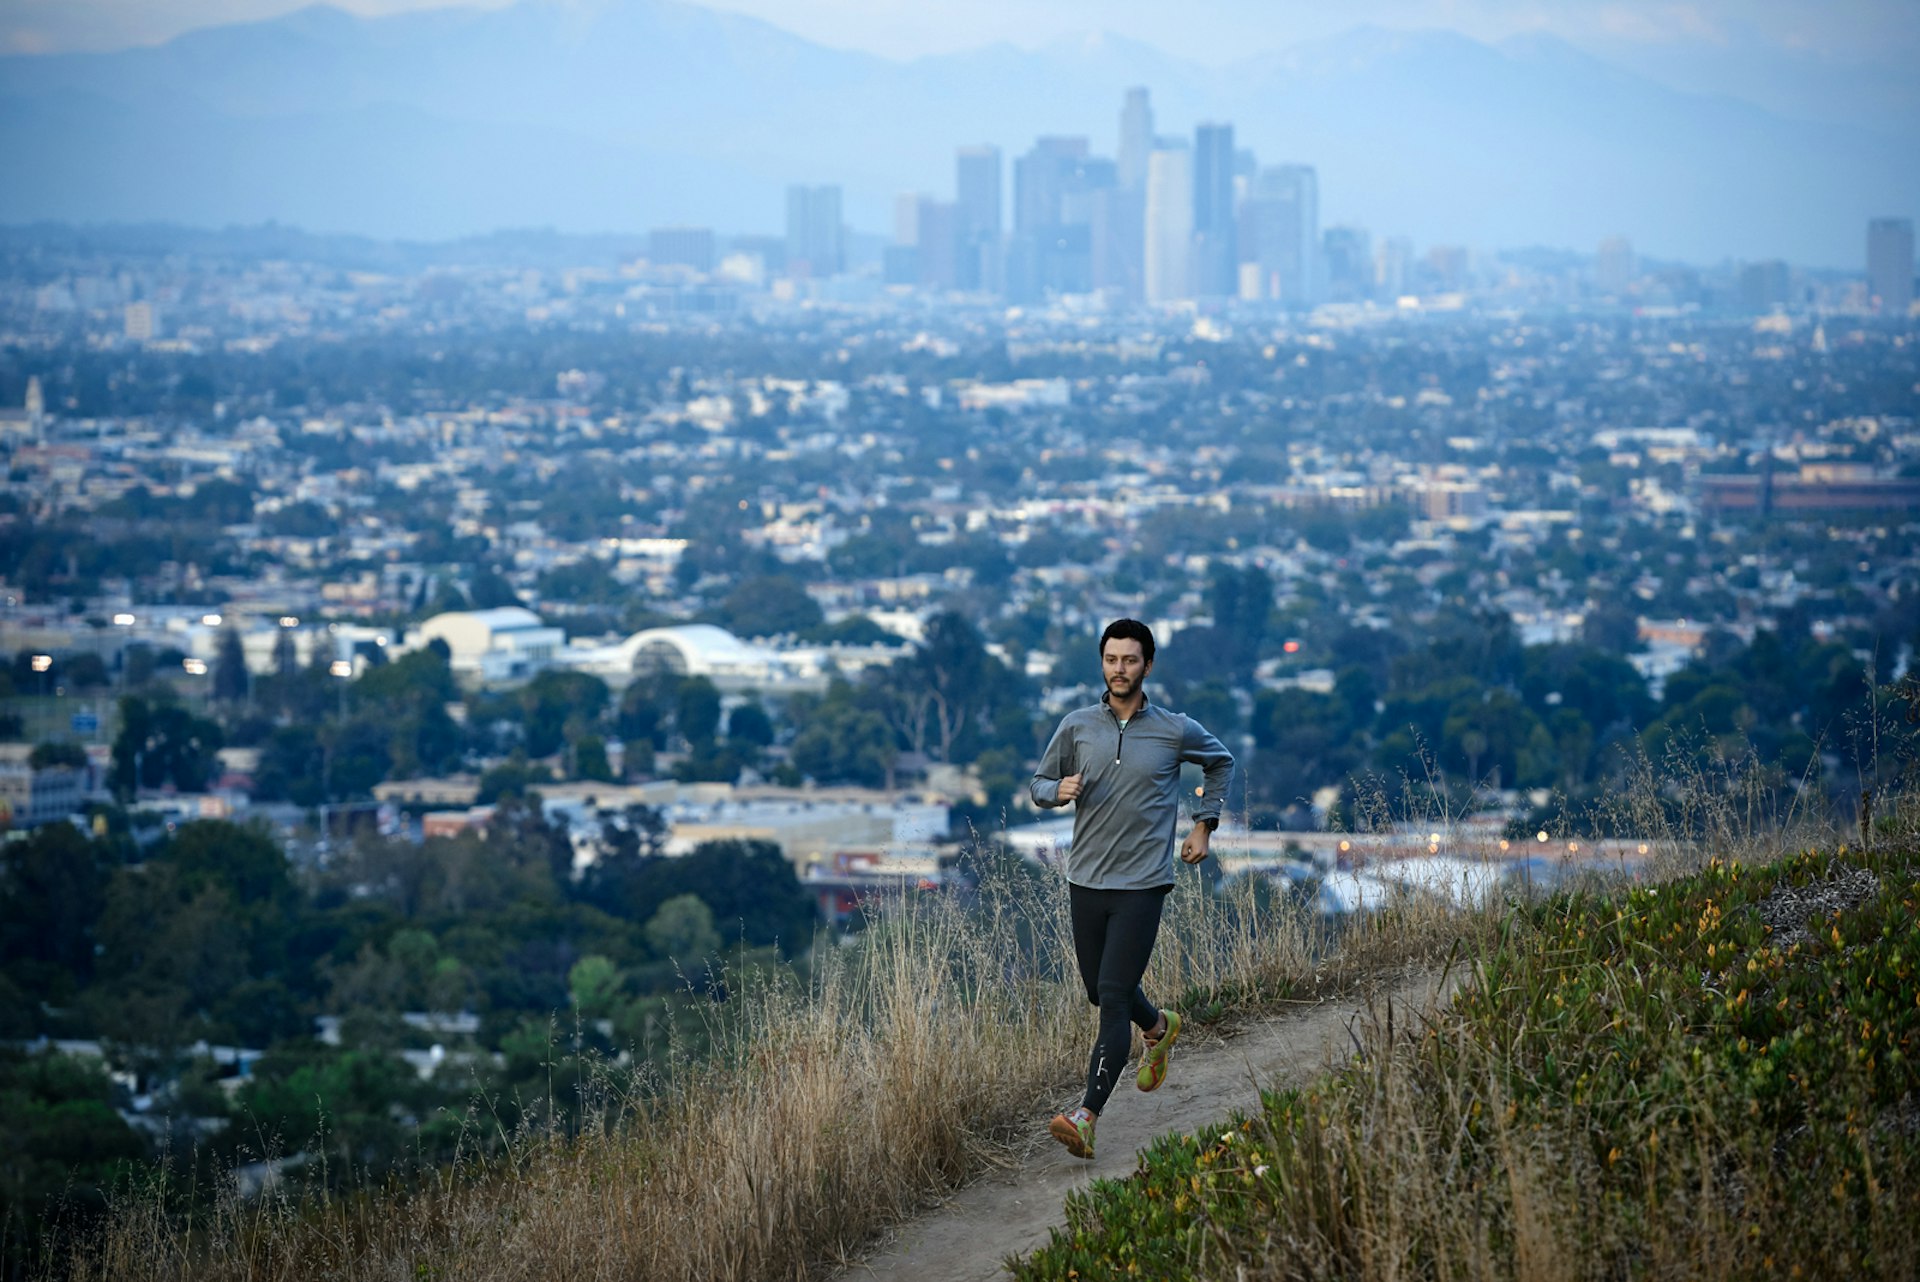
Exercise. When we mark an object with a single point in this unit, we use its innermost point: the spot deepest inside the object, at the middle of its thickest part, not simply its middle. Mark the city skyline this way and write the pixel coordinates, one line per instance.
(638, 113)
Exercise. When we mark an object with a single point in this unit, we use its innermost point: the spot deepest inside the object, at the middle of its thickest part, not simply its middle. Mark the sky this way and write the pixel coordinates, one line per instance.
(1874, 32)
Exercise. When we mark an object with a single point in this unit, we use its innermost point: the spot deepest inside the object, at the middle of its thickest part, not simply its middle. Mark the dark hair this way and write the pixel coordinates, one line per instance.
(1129, 630)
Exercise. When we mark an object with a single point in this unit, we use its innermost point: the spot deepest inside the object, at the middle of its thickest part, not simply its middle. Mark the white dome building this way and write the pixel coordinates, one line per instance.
(503, 644)
(688, 650)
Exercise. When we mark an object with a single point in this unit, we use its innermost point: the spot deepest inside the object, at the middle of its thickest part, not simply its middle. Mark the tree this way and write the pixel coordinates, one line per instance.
(231, 681)
(750, 724)
(768, 605)
(697, 710)
(681, 930)
(748, 885)
(57, 753)
(55, 886)
(161, 743)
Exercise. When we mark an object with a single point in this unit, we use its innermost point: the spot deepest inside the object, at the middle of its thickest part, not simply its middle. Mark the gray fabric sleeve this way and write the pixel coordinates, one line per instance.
(1200, 747)
(1045, 789)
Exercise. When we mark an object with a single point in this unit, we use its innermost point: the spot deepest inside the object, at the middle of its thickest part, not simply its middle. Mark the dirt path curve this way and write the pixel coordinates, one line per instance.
(1006, 1212)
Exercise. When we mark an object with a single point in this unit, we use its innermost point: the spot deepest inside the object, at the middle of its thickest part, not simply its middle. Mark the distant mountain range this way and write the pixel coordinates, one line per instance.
(622, 114)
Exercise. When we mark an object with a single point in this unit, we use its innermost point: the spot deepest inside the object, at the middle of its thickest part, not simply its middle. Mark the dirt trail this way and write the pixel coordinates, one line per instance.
(1006, 1212)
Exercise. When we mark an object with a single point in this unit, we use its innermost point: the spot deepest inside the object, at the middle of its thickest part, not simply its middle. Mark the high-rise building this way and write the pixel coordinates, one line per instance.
(1055, 186)
(816, 238)
(1764, 285)
(681, 247)
(1348, 255)
(1168, 275)
(1041, 180)
(1390, 266)
(1890, 265)
(1281, 220)
(1136, 140)
(1613, 266)
(977, 214)
(1119, 243)
(1215, 258)
(977, 190)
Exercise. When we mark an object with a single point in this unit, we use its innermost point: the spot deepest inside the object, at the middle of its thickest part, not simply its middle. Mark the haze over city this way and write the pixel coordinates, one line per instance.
(1700, 132)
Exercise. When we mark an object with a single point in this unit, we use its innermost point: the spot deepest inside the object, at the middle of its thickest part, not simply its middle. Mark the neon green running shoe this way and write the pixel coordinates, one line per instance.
(1153, 1065)
(1075, 1130)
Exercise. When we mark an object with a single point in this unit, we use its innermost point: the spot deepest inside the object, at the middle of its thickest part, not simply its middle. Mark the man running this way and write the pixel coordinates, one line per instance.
(1118, 763)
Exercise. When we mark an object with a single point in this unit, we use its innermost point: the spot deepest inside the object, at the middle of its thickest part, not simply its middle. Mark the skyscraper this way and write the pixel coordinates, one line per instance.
(977, 213)
(815, 238)
(1348, 255)
(1215, 259)
(681, 247)
(1890, 264)
(1136, 140)
(1054, 189)
(1282, 219)
(1169, 230)
(977, 189)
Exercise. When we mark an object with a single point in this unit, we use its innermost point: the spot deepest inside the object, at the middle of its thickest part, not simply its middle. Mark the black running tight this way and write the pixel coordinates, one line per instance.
(1113, 933)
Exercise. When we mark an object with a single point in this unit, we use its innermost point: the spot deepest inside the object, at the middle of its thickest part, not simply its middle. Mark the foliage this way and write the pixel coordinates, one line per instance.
(1721, 1067)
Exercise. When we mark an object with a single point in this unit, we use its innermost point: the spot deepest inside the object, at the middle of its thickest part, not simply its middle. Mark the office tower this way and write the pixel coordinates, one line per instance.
(1119, 243)
(1890, 265)
(940, 245)
(1764, 285)
(1136, 140)
(681, 247)
(1215, 258)
(1041, 179)
(1168, 275)
(977, 190)
(1613, 266)
(816, 240)
(1282, 220)
(1348, 255)
(1054, 190)
(1390, 266)
(977, 211)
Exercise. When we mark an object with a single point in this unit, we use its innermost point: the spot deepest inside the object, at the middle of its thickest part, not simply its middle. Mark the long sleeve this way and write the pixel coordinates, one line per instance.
(1054, 766)
(1200, 747)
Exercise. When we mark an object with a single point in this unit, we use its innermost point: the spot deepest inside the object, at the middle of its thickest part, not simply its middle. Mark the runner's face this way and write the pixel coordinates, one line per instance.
(1124, 665)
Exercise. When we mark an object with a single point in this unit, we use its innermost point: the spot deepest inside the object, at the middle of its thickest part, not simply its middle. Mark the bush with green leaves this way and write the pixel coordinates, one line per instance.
(1718, 1076)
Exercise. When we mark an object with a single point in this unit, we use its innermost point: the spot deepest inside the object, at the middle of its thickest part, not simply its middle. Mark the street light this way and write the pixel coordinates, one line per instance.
(123, 620)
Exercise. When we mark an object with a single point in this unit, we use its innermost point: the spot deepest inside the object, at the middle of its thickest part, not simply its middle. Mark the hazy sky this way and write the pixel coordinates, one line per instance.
(1207, 30)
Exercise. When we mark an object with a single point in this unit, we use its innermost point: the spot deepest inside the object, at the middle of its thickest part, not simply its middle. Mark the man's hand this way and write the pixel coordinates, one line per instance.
(1070, 787)
(1197, 845)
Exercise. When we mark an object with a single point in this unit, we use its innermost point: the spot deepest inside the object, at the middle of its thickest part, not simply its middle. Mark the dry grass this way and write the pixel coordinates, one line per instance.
(901, 1067)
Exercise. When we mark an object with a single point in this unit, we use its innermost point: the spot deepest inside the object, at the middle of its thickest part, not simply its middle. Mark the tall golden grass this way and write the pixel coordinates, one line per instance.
(902, 1065)
(895, 1069)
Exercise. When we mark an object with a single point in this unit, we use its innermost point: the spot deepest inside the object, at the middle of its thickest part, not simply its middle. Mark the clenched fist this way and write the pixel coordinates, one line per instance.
(1197, 844)
(1070, 786)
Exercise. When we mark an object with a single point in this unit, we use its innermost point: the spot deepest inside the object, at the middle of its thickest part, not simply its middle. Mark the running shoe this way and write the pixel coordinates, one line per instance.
(1075, 1130)
(1153, 1065)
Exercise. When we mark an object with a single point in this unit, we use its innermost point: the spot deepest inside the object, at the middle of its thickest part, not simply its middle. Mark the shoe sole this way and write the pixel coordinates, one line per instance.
(1069, 1134)
(1152, 1071)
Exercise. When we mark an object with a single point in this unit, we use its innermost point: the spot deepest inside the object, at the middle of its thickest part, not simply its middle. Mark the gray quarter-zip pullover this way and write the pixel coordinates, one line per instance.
(1123, 822)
